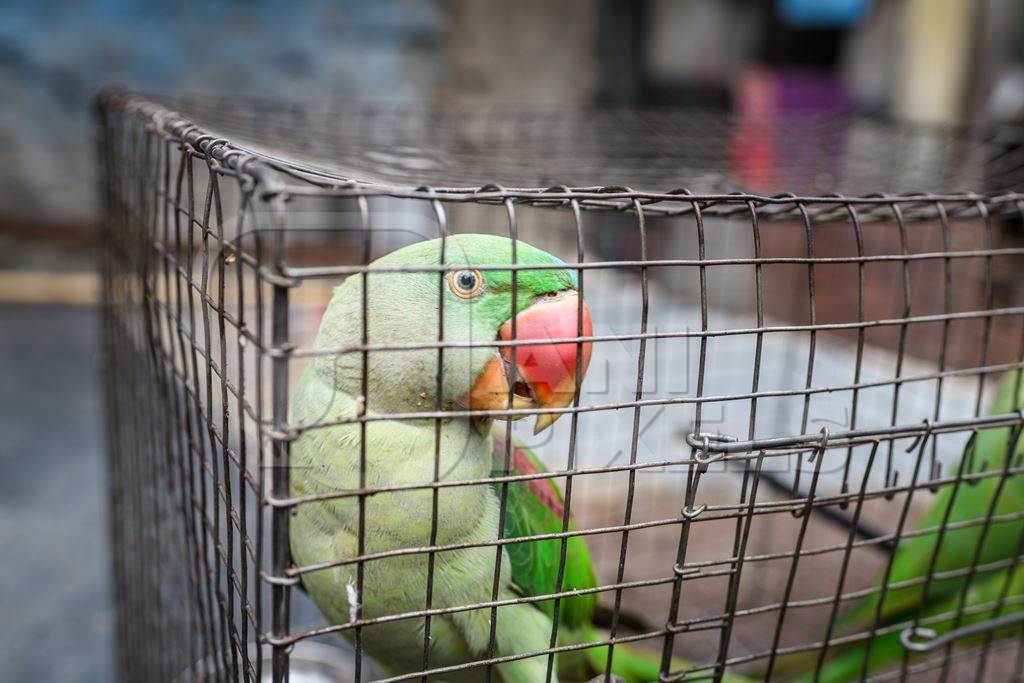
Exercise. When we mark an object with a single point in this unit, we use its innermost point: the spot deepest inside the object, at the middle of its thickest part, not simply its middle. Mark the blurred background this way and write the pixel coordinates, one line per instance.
(934, 61)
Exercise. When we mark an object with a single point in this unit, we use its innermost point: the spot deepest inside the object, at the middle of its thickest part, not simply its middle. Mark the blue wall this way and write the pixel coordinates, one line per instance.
(54, 55)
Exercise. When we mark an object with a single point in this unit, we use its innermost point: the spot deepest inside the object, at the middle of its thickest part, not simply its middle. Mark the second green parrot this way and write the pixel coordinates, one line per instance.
(964, 507)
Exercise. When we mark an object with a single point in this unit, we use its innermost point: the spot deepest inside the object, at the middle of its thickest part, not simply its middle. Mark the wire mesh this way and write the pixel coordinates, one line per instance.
(787, 365)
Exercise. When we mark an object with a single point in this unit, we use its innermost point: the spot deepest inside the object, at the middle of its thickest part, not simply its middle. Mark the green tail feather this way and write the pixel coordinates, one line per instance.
(847, 666)
(634, 664)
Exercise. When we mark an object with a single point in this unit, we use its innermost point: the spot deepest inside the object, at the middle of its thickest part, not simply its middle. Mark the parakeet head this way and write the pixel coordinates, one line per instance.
(478, 307)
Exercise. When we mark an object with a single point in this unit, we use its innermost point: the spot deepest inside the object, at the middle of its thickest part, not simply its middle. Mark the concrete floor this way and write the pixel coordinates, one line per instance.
(54, 566)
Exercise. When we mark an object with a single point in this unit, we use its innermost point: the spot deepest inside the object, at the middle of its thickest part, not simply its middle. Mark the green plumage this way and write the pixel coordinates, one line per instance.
(534, 508)
(953, 550)
(535, 564)
(402, 309)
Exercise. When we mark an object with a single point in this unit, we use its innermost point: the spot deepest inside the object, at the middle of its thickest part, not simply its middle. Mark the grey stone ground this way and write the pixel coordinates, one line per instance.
(54, 567)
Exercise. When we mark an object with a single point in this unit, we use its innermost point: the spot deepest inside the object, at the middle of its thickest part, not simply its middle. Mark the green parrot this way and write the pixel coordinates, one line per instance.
(957, 548)
(478, 306)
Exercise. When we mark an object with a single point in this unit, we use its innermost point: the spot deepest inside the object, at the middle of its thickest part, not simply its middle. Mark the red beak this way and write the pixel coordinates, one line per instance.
(543, 375)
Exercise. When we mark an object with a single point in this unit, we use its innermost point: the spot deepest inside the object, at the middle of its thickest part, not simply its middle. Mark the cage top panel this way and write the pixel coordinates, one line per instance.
(799, 152)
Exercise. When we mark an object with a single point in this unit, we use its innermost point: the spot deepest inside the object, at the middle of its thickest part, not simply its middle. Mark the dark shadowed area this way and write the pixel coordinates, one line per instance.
(55, 586)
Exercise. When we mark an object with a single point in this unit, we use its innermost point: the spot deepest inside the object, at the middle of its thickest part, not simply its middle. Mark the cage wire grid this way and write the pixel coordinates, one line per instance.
(213, 224)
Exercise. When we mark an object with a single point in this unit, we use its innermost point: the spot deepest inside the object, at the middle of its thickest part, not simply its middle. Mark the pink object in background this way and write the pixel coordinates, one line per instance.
(774, 105)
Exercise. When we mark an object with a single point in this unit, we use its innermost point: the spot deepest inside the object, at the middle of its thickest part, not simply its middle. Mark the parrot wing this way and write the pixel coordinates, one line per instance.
(535, 507)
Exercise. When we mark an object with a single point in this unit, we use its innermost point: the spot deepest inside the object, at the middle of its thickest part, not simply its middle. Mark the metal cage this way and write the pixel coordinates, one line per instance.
(800, 319)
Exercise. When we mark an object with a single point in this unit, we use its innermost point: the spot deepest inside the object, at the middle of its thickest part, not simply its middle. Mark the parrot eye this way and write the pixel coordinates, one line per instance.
(466, 283)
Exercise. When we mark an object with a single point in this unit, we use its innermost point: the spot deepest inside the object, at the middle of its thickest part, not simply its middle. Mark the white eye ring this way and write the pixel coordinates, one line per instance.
(466, 284)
